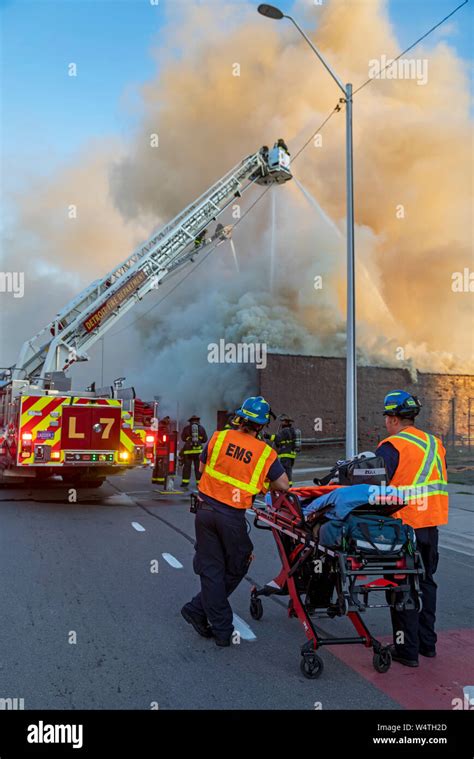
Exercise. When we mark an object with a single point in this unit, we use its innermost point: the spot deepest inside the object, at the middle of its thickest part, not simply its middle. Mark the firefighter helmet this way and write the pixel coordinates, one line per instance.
(401, 403)
(255, 409)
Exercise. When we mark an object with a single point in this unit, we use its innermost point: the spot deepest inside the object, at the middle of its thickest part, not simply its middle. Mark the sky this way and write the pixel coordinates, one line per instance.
(86, 140)
(48, 115)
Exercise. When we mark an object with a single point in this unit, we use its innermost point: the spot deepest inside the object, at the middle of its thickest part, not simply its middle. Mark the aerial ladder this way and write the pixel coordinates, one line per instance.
(39, 413)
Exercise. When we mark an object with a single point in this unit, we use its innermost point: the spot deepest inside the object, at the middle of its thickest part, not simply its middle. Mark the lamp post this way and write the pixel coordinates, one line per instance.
(270, 11)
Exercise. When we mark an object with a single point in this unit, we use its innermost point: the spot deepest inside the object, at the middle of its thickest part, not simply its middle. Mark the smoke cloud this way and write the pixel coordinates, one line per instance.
(412, 191)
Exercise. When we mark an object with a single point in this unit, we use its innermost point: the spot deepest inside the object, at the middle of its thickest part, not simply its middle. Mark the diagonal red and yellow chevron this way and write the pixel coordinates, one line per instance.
(36, 420)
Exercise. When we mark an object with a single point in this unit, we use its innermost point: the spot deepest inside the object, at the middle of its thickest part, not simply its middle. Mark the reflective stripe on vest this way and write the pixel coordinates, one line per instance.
(435, 487)
(411, 439)
(247, 487)
(421, 478)
(421, 481)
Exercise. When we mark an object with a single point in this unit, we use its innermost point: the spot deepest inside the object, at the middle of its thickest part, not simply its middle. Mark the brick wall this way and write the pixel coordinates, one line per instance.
(312, 387)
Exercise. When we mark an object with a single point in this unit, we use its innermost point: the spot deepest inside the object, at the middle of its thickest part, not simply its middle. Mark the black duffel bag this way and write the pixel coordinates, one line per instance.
(366, 468)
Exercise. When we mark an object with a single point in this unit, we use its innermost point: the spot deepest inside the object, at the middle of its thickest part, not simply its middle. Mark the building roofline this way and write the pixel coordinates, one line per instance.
(371, 366)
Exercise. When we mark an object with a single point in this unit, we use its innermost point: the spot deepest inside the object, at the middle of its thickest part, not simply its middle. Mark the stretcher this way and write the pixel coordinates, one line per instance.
(328, 582)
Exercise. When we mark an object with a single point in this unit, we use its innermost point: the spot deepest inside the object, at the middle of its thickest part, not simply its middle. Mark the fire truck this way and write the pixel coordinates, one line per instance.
(46, 427)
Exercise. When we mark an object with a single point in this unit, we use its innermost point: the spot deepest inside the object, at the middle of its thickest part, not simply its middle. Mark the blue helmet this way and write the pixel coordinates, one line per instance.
(255, 409)
(401, 403)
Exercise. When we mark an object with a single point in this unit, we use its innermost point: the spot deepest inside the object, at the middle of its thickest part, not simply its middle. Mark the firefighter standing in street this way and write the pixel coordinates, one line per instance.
(287, 442)
(236, 466)
(416, 463)
(193, 436)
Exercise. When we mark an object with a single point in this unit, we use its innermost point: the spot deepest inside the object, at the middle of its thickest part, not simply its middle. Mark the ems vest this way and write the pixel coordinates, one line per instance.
(236, 468)
(421, 476)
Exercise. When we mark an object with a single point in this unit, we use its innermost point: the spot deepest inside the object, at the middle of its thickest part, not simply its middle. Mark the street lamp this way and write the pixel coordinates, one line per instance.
(351, 371)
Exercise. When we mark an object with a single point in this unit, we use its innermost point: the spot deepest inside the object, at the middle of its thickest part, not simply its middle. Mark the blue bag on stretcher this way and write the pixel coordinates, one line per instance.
(371, 533)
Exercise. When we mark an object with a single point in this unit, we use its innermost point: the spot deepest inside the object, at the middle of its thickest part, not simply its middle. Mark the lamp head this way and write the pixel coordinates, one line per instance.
(270, 11)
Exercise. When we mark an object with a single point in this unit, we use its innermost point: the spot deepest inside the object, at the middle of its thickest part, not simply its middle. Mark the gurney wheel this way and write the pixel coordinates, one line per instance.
(311, 666)
(256, 608)
(382, 661)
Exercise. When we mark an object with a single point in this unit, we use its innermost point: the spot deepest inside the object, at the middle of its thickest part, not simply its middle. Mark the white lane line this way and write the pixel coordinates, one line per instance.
(172, 561)
(138, 527)
(120, 499)
(243, 629)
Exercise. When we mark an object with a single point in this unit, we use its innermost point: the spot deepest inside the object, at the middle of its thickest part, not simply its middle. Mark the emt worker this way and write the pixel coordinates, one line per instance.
(416, 463)
(236, 465)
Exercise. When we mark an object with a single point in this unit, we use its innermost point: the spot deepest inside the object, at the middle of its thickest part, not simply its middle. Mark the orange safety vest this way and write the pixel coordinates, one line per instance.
(236, 468)
(421, 477)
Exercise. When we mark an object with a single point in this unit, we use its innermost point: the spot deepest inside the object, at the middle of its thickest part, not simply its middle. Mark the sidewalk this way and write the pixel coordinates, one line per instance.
(458, 534)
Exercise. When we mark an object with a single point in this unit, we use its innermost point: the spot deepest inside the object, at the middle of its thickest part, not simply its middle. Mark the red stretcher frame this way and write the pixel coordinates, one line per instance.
(284, 518)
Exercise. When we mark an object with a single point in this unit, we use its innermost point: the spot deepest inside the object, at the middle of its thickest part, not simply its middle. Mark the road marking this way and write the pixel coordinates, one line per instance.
(138, 527)
(454, 541)
(120, 499)
(172, 561)
(243, 629)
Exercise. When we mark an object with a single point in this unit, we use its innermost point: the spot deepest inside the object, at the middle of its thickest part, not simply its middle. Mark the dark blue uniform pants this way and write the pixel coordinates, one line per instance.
(223, 555)
(418, 627)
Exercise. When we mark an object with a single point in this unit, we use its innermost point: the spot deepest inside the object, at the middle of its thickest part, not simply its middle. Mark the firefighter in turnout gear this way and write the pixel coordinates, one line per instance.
(287, 442)
(416, 466)
(236, 465)
(193, 436)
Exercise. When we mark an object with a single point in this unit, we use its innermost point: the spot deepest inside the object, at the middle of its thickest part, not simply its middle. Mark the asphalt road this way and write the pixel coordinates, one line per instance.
(88, 622)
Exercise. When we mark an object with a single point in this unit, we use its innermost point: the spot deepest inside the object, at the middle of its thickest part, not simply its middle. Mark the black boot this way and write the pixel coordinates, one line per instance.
(401, 659)
(200, 624)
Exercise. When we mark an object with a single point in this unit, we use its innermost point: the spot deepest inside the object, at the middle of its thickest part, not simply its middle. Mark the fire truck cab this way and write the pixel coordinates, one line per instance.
(84, 438)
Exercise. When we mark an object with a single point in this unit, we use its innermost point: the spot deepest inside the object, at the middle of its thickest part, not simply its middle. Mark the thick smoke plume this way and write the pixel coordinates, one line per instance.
(412, 189)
